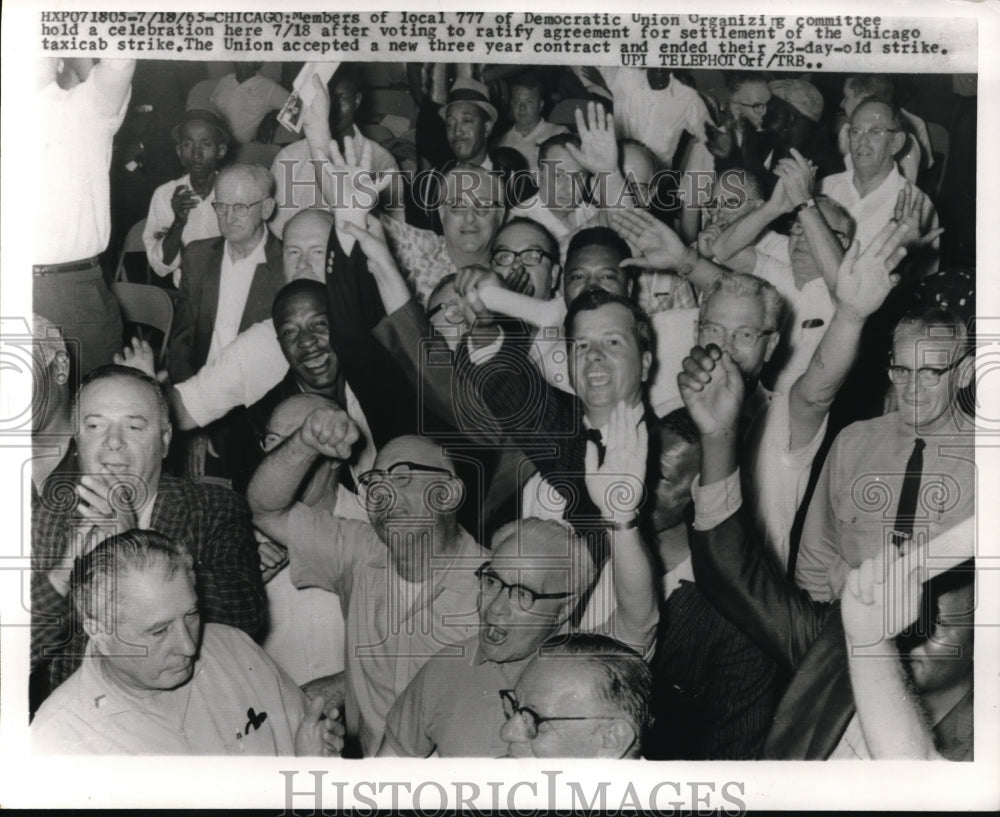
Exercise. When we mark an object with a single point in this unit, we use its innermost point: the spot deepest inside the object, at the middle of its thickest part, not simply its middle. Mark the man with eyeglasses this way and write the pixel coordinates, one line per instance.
(529, 591)
(926, 442)
(870, 189)
(405, 577)
(582, 696)
(227, 285)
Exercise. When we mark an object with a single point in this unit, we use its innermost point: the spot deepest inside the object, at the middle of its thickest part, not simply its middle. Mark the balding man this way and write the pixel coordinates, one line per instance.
(405, 577)
(154, 681)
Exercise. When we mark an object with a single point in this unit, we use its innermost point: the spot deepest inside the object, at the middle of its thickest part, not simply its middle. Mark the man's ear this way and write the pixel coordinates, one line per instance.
(898, 141)
(166, 435)
(489, 127)
(772, 344)
(967, 371)
(617, 738)
(556, 278)
(647, 361)
(221, 151)
(102, 636)
(60, 366)
(446, 496)
(267, 208)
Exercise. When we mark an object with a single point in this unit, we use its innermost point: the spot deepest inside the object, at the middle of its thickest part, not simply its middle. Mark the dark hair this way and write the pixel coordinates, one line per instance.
(871, 85)
(115, 370)
(560, 140)
(679, 421)
(97, 576)
(591, 299)
(300, 286)
(959, 578)
(627, 679)
(598, 237)
(737, 79)
(552, 245)
(530, 80)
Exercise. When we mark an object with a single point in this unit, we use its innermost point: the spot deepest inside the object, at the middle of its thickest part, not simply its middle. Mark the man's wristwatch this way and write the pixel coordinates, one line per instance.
(809, 202)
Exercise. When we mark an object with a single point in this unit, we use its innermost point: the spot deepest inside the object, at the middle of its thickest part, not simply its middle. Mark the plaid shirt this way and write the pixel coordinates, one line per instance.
(213, 522)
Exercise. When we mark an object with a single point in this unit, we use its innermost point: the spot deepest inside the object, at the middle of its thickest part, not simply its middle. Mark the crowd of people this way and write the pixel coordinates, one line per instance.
(647, 432)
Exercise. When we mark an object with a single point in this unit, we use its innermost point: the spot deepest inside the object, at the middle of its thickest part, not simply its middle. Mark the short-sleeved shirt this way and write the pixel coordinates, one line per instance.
(452, 706)
(237, 702)
(422, 256)
(392, 627)
(854, 506)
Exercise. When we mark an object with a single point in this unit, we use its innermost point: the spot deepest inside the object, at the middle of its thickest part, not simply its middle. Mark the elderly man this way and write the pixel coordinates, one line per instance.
(528, 592)
(115, 477)
(405, 577)
(530, 129)
(741, 313)
(870, 188)
(815, 717)
(228, 283)
(154, 681)
(922, 450)
(582, 696)
(181, 211)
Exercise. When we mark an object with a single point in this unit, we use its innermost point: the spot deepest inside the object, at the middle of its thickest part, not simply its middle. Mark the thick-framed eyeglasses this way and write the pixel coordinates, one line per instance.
(238, 210)
(854, 132)
(926, 375)
(452, 312)
(399, 474)
(756, 107)
(490, 584)
(532, 720)
(743, 338)
(530, 258)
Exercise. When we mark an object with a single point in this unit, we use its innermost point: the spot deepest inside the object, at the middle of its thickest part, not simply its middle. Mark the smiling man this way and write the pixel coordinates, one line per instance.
(926, 442)
(115, 472)
(405, 576)
(154, 681)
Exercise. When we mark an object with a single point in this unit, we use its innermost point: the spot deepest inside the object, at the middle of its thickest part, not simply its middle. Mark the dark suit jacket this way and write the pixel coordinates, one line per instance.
(805, 637)
(198, 301)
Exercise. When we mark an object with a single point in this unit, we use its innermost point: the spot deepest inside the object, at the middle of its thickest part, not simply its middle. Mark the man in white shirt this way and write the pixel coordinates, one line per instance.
(870, 190)
(530, 129)
(181, 210)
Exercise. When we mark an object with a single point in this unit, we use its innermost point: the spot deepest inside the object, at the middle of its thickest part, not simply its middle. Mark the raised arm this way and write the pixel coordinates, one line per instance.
(328, 432)
(863, 282)
(616, 487)
(113, 79)
(891, 719)
(732, 568)
(598, 155)
(662, 249)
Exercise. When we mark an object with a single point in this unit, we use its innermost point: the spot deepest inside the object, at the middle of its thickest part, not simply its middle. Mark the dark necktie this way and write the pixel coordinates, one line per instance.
(906, 511)
(594, 436)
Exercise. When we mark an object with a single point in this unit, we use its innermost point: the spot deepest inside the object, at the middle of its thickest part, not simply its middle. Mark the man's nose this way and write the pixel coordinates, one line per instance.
(514, 731)
(185, 643)
(114, 439)
(500, 606)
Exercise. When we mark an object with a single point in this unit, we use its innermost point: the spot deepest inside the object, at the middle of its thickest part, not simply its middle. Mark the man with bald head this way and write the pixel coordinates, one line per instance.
(530, 590)
(405, 577)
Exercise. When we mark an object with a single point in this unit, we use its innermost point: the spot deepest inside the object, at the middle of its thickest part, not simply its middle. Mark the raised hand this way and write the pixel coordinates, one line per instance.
(316, 115)
(864, 279)
(355, 186)
(907, 212)
(660, 246)
(331, 432)
(707, 239)
(617, 486)
(881, 598)
(140, 355)
(470, 280)
(182, 202)
(797, 176)
(371, 238)
(711, 386)
(598, 151)
(319, 734)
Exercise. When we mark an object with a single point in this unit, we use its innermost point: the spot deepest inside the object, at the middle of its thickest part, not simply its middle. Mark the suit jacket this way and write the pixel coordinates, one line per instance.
(211, 521)
(805, 637)
(198, 302)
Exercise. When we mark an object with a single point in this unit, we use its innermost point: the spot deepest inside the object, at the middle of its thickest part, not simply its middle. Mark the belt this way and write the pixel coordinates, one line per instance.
(69, 266)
